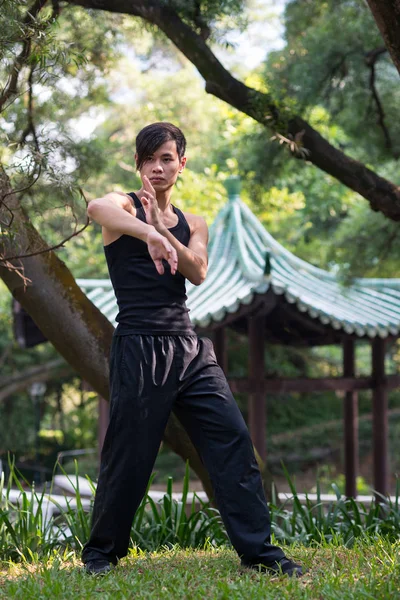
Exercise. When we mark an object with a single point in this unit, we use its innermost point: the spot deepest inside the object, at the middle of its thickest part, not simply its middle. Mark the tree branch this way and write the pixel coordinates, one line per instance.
(387, 16)
(370, 60)
(30, 128)
(382, 194)
(7, 259)
(18, 383)
(22, 59)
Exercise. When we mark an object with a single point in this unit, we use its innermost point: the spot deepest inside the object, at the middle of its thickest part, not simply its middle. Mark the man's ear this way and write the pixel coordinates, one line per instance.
(136, 158)
(183, 163)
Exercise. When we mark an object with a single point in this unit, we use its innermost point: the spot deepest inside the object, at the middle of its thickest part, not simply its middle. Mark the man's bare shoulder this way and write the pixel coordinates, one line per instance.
(195, 222)
(121, 199)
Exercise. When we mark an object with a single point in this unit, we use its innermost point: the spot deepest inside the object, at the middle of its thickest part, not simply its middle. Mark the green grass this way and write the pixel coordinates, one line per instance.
(368, 570)
(350, 551)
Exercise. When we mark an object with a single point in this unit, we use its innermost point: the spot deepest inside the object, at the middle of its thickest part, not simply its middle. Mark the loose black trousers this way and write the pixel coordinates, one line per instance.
(150, 376)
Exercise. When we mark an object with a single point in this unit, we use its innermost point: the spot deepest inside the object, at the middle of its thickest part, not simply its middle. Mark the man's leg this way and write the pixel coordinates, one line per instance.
(142, 389)
(209, 413)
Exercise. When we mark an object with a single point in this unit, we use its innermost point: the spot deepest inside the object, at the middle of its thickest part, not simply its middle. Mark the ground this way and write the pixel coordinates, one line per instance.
(365, 571)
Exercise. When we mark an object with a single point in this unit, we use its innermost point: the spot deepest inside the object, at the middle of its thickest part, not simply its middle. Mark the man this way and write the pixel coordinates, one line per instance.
(158, 364)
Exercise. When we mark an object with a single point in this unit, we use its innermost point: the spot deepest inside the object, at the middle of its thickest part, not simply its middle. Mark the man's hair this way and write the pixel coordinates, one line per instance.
(150, 138)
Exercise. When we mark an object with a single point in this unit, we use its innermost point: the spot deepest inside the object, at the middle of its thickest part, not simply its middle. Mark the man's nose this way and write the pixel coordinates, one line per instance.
(157, 167)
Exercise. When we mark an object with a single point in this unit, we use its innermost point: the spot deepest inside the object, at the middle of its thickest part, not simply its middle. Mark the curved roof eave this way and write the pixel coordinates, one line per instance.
(240, 248)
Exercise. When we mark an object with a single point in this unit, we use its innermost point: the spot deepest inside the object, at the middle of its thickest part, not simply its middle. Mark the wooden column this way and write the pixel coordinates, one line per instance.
(104, 408)
(350, 424)
(380, 417)
(257, 400)
(221, 348)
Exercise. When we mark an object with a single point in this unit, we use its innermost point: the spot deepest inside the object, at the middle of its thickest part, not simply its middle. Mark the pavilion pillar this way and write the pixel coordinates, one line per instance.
(380, 417)
(350, 424)
(104, 408)
(257, 401)
(220, 347)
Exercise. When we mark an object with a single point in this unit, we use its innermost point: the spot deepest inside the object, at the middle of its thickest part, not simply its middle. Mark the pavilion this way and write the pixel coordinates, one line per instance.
(254, 285)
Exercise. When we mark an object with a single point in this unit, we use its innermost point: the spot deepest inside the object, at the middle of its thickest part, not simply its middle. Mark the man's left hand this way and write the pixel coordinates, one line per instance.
(150, 204)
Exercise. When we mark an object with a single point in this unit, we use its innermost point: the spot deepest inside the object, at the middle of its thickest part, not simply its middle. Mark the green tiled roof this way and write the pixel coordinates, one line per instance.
(245, 260)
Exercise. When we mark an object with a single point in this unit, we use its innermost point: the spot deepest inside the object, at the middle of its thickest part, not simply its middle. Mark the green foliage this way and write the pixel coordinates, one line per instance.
(324, 72)
(340, 522)
(26, 533)
(209, 16)
(64, 408)
(166, 524)
(16, 411)
(366, 241)
(60, 81)
(73, 525)
(328, 61)
(309, 212)
(327, 477)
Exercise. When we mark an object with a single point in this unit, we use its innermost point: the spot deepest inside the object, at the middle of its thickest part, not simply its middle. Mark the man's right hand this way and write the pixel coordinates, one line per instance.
(160, 248)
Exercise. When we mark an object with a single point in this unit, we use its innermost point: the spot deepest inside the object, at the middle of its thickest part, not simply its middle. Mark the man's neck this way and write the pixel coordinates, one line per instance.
(163, 199)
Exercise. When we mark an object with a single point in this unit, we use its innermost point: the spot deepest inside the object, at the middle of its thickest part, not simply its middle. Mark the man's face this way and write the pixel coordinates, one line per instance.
(163, 167)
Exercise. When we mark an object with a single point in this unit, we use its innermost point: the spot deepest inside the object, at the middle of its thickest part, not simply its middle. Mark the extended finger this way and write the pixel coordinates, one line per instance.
(148, 186)
(149, 195)
(173, 261)
(170, 256)
(159, 266)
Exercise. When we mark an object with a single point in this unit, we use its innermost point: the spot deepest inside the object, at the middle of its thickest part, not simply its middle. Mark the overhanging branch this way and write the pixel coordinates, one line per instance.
(387, 16)
(382, 194)
(370, 60)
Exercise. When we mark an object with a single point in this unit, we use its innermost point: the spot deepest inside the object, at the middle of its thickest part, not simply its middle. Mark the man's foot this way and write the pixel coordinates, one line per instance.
(284, 566)
(98, 566)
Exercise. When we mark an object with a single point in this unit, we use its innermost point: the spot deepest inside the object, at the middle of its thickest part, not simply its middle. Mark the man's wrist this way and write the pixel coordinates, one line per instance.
(161, 228)
(148, 229)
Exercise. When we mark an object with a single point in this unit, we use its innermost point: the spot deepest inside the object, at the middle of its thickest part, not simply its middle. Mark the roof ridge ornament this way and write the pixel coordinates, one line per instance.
(233, 186)
(267, 266)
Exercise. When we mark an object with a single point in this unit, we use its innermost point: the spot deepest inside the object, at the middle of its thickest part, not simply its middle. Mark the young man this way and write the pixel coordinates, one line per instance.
(158, 364)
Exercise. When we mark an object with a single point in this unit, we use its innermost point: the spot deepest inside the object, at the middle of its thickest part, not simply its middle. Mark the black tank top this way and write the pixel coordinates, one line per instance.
(149, 303)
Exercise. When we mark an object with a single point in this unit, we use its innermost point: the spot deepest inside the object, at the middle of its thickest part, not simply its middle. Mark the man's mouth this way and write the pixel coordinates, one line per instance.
(157, 179)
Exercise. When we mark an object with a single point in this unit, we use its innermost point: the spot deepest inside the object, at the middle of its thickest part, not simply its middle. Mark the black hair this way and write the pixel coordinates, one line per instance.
(150, 138)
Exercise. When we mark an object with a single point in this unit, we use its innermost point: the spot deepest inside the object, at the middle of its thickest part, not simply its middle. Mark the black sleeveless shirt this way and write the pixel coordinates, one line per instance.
(149, 303)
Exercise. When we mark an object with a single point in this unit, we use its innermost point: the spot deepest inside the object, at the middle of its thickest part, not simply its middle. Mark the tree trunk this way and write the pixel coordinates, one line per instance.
(387, 16)
(383, 195)
(77, 329)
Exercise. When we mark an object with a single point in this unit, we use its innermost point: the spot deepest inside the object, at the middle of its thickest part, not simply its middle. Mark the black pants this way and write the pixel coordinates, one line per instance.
(149, 377)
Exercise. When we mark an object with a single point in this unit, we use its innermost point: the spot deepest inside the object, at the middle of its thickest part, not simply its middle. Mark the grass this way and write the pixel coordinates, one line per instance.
(350, 551)
(368, 570)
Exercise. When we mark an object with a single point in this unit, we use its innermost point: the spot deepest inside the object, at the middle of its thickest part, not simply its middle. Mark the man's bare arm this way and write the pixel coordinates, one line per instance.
(116, 213)
(192, 260)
